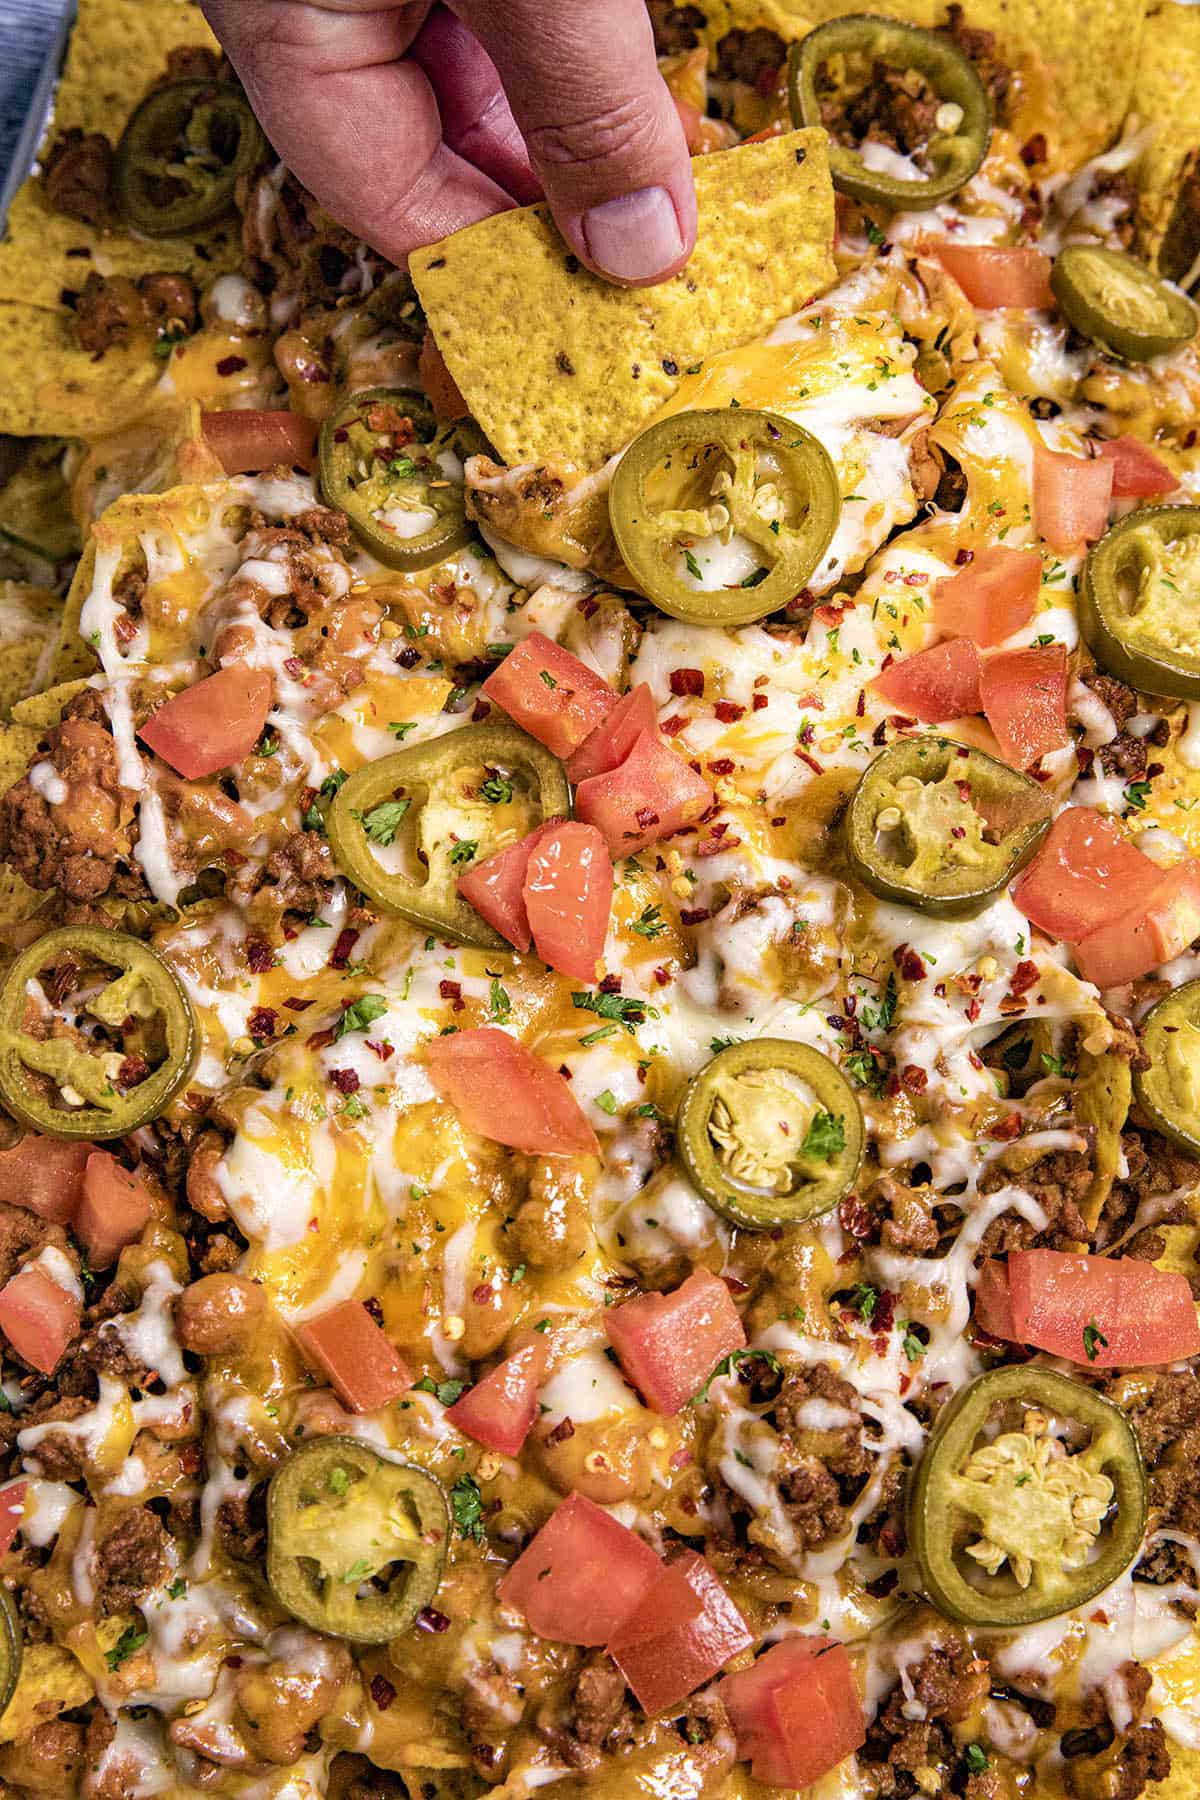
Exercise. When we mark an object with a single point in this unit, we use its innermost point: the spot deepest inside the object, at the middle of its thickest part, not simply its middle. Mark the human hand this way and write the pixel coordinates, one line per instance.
(408, 120)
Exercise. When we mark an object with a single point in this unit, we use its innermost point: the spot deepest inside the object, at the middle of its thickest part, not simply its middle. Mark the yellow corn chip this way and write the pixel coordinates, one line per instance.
(34, 514)
(1075, 60)
(73, 659)
(1167, 97)
(163, 447)
(50, 1682)
(29, 621)
(118, 48)
(52, 388)
(42, 711)
(553, 361)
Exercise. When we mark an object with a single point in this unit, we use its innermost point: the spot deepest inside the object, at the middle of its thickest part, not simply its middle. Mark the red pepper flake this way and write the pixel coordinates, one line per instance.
(646, 816)
(320, 1039)
(974, 1010)
(914, 1078)
(916, 578)
(373, 1307)
(408, 658)
(295, 1004)
(735, 1284)
(345, 1080)
(189, 1459)
(482, 1293)
(909, 963)
(810, 761)
(1007, 1127)
(829, 615)
(452, 991)
(1034, 149)
(382, 1050)
(892, 1540)
(259, 955)
(587, 606)
(694, 915)
(233, 859)
(382, 1691)
(963, 557)
(686, 681)
(673, 726)
(679, 1459)
(125, 629)
(860, 710)
(262, 1022)
(294, 667)
(479, 711)
(884, 1316)
(428, 1619)
(662, 977)
(722, 765)
(340, 954)
(132, 1070)
(729, 712)
(1024, 976)
(759, 701)
(561, 1432)
(714, 845)
(231, 365)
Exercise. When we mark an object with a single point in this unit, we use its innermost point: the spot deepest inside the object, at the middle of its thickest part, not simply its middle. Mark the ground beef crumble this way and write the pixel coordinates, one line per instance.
(948, 1683)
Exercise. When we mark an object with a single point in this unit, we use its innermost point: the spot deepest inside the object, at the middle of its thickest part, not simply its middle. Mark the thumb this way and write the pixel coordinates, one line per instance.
(602, 131)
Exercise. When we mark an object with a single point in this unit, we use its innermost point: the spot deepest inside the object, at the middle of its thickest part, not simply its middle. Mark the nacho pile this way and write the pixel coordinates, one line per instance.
(600, 944)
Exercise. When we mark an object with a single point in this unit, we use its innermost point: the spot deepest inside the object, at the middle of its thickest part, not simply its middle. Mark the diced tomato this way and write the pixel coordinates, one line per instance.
(45, 1175)
(664, 1658)
(991, 598)
(359, 1361)
(246, 441)
(1069, 1305)
(12, 1512)
(568, 897)
(503, 1091)
(214, 725)
(651, 794)
(1155, 932)
(1137, 473)
(495, 887)
(38, 1317)
(1071, 498)
(608, 746)
(499, 1410)
(992, 277)
(441, 389)
(669, 1344)
(993, 1306)
(797, 1712)
(934, 685)
(582, 1575)
(113, 1211)
(1024, 695)
(1085, 874)
(551, 694)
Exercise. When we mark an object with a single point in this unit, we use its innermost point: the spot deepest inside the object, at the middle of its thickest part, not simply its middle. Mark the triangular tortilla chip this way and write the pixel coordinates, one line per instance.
(554, 361)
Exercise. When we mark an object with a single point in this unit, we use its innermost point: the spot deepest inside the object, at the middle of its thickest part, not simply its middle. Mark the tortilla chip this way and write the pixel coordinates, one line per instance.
(50, 1682)
(1168, 98)
(74, 659)
(118, 49)
(554, 361)
(40, 712)
(34, 512)
(1075, 60)
(52, 388)
(29, 621)
(163, 447)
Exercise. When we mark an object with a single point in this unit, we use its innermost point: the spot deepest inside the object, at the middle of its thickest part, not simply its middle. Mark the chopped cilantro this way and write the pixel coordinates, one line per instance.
(357, 1572)
(606, 1100)
(400, 728)
(913, 1347)
(626, 1012)
(497, 789)
(360, 1014)
(466, 1503)
(130, 1641)
(975, 1756)
(465, 850)
(177, 1589)
(1094, 1340)
(382, 822)
(339, 1481)
(548, 678)
(499, 1002)
(445, 1391)
(825, 1137)
(865, 1300)
(650, 924)
(693, 567)
(717, 1044)
(1137, 794)
(729, 1363)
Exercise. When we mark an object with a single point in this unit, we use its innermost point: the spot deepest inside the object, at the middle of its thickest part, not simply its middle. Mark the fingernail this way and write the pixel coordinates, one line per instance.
(635, 238)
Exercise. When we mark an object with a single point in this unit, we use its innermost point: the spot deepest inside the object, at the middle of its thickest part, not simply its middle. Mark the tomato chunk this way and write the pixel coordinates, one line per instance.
(12, 1512)
(993, 1304)
(669, 1344)
(38, 1317)
(993, 278)
(214, 725)
(665, 1658)
(1024, 696)
(114, 1209)
(797, 1712)
(991, 598)
(1137, 473)
(551, 694)
(45, 1175)
(495, 887)
(1153, 933)
(246, 441)
(503, 1091)
(650, 795)
(1085, 874)
(608, 746)
(582, 1575)
(568, 896)
(1071, 496)
(1104, 1312)
(499, 1410)
(934, 685)
(361, 1364)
